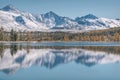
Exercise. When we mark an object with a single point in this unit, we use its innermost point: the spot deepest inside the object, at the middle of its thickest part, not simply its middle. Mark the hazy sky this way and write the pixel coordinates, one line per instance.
(69, 8)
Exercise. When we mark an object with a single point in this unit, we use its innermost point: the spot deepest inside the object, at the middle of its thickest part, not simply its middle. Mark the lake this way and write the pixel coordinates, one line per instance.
(60, 61)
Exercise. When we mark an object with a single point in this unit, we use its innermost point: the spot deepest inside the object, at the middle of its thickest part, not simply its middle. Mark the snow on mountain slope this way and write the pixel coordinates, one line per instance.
(10, 8)
(52, 57)
(91, 22)
(53, 21)
(12, 18)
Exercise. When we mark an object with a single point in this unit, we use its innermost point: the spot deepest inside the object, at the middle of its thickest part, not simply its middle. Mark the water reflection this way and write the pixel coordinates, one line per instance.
(14, 57)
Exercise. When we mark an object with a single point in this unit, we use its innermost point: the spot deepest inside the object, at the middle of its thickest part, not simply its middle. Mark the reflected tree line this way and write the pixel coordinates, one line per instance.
(108, 49)
(15, 47)
(1, 50)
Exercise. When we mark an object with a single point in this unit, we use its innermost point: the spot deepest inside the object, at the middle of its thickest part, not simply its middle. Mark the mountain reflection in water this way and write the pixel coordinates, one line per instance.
(14, 57)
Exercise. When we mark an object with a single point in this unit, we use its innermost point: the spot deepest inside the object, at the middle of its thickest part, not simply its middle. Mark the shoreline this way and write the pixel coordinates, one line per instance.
(58, 41)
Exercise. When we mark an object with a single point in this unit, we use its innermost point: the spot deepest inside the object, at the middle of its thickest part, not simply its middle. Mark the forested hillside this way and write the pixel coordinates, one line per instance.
(112, 34)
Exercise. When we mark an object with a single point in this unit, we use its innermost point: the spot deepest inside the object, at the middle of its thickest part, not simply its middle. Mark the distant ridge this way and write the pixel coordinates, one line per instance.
(12, 18)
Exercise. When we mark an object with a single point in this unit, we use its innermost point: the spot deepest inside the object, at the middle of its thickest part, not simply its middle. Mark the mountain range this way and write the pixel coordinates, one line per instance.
(13, 18)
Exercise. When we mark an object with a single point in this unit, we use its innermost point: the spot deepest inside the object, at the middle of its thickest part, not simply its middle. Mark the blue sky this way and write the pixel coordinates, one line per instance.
(69, 8)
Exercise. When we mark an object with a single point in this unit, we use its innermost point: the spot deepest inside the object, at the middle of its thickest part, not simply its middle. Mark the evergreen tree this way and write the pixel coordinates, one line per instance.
(1, 34)
(13, 35)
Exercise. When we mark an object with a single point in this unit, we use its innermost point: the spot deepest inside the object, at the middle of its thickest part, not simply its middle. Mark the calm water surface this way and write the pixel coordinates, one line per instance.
(60, 61)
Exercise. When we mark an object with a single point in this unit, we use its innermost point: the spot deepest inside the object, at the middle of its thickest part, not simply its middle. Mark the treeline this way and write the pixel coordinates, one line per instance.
(112, 34)
(15, 47)
(108, 49)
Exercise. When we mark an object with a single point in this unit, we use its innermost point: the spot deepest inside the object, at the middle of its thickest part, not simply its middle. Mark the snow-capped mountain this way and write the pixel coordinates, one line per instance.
(10, 8)
(53, 21)
(51, 58)
(91, 22)
(12, 18)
